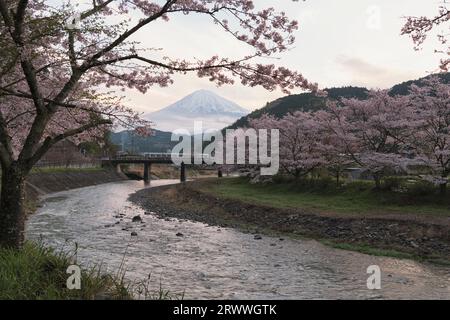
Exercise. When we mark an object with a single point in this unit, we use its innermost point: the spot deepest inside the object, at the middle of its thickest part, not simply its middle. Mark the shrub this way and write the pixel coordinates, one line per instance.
(323, 184)
(359, 185)
(421, 188)
(282, 178)
(392, 184)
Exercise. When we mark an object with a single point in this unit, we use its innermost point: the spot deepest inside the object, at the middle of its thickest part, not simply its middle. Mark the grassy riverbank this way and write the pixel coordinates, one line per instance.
(37, 273)
(358, 199)
(50, 180)
(343, 219)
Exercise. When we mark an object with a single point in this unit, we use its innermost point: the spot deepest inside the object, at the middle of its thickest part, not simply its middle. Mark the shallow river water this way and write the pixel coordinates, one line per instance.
(217, 263)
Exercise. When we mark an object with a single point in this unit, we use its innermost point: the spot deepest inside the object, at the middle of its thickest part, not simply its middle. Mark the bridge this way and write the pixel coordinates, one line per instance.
(147, 159)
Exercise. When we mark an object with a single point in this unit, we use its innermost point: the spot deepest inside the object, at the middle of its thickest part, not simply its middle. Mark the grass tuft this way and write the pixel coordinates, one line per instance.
(39, 273)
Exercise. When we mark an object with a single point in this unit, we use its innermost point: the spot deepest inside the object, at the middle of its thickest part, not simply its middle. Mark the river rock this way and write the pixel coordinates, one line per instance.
(415, 245)
(179, 234)
(137, 219)
(134, 234)
(257, 237)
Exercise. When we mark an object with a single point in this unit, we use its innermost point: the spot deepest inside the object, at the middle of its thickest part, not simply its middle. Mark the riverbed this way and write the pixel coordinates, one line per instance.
(207, 262)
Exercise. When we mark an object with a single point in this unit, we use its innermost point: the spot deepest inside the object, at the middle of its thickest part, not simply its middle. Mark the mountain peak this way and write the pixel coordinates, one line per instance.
(203, 92)
(201, 105)
(203, 102)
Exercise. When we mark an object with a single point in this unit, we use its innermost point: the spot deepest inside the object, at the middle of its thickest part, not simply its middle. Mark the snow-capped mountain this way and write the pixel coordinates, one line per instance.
(214, 111)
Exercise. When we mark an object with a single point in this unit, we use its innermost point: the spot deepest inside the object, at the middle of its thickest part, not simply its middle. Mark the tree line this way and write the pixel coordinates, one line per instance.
(383, 134)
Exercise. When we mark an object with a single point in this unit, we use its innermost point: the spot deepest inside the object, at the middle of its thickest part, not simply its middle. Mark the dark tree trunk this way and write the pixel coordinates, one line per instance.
(12, 213)
(443, 189)
(377, 179)
(338, 177)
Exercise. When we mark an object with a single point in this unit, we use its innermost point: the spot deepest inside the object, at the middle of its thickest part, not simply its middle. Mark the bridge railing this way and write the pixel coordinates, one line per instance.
(143, 157)
(91, 163)
(147, 156)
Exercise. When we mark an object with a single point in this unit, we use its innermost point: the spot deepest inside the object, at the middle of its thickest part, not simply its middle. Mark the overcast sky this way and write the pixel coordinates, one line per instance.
(339, 43)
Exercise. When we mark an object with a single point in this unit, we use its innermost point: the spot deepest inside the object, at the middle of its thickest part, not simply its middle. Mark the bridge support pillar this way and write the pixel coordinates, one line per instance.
(147, 168)
(183, 172)
(118, 169)
(219, 173)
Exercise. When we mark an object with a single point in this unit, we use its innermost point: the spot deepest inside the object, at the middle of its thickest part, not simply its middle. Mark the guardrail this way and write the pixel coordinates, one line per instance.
(146, 156)
(94, 163)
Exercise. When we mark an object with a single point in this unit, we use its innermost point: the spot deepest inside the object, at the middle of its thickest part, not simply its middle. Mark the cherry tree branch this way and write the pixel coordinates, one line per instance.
(124, 36)
(51, 141)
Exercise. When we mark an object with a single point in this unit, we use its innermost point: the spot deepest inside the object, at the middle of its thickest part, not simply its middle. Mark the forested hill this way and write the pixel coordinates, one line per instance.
(403, 88)
(131, 142)
(310, 102)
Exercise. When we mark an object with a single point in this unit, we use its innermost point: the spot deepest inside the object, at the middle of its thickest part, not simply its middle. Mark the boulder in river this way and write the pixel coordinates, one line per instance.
(134, 234)
(137, 219)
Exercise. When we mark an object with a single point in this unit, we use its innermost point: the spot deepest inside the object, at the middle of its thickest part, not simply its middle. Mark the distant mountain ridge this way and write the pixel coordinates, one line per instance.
(161, 141)
(129, 141)
(310, 102)
(202, 102)
(213, 110)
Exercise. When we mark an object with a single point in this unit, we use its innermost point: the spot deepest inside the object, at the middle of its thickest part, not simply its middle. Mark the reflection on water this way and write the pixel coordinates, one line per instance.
(218, 263)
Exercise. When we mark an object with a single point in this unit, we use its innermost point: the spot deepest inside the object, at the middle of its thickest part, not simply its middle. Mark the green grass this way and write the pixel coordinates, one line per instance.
(366, 249)
(370, 250)
(355, 198)
(39, 273)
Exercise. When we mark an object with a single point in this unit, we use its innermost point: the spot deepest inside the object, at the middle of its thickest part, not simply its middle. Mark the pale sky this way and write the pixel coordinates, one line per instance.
(339, 43)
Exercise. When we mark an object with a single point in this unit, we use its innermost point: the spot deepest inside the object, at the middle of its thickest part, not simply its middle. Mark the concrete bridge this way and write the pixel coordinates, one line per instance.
(147, 160)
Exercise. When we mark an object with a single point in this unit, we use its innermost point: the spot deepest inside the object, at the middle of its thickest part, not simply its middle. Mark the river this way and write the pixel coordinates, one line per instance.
(206, 262)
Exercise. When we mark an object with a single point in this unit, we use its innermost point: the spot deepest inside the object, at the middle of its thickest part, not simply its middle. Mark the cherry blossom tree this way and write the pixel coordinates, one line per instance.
(373, 132)
(418, 28)
(56, 63)
(382, 134)
(300, 141)
(333, 148)
(431, 137)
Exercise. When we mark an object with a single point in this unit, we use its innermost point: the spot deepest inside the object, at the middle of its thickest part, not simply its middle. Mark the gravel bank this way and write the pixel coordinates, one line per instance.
(426, 240)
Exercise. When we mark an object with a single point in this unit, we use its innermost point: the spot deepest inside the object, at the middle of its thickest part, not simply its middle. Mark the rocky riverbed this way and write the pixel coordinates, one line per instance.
(201, 261)
(420, 239)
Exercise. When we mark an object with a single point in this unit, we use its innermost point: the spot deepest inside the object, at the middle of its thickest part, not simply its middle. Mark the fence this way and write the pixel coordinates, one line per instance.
(85, 163)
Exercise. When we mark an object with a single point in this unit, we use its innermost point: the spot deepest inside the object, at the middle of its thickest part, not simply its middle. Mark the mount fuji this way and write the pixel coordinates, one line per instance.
(213, 110)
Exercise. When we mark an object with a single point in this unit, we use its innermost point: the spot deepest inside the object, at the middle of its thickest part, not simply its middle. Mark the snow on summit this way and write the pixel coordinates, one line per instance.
(215, 111)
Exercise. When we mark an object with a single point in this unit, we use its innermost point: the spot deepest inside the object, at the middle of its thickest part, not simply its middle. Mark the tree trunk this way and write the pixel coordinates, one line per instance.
(443, 189)
(377, 179)
(12, 213)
